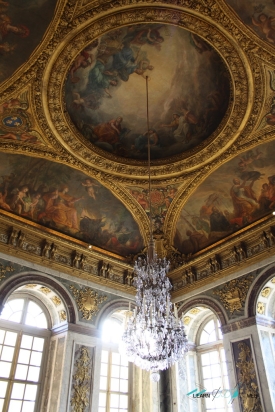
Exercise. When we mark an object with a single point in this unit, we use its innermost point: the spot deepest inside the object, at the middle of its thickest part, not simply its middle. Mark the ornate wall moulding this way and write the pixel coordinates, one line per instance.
(88, 301)
(62, 65)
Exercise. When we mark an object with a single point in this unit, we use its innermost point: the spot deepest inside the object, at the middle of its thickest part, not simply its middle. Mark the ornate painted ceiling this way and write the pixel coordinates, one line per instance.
(73, 135)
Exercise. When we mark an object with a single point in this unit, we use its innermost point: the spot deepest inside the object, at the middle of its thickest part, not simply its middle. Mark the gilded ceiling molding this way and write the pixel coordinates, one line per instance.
(66, 133)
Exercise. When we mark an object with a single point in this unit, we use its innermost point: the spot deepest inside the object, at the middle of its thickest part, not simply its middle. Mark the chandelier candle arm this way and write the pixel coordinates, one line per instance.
(154, 338)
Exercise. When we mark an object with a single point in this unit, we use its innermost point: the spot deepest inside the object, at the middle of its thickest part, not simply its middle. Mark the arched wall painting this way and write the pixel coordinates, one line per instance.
(64, 199)
(258, 15)
(22, 26)
(189, 89)
(238, 193)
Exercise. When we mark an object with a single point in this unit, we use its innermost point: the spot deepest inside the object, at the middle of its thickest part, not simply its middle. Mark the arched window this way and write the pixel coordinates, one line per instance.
(114, 373)
(24, 333)
(212, 366)
(205, 364)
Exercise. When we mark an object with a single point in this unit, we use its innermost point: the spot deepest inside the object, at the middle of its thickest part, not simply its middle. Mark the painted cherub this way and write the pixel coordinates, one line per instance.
(266, 25)
(89, 185)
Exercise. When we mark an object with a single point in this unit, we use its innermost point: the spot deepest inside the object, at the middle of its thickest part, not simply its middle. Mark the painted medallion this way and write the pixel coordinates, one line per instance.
(189, 87)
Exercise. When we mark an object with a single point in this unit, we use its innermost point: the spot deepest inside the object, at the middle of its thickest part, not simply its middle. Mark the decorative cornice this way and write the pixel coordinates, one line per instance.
(237, 252)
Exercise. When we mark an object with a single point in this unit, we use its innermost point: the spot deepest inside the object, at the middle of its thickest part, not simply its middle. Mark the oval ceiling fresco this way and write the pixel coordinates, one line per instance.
(258, 15)
(22, 26)
(235, 195)
(189, 90)
(66, 200)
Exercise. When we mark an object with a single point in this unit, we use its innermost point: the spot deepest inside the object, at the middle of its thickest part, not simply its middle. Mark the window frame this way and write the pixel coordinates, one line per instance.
(22, 329)
(112, 347)
(208, 347)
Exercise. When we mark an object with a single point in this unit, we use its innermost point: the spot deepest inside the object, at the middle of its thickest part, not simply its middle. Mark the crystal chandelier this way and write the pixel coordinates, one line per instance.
(154, 338)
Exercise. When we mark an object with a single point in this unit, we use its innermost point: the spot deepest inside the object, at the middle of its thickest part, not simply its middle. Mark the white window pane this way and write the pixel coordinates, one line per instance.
(26, 342)
(114, 410)
(124, 372)
(104, 356)
(2, 335)
(16, 317)
(24, 356)
(209, 326)
(214, 358)
(30, 393)
(3, 388)
(204, 337)
(36, 358)
(115, 358)
(34, 309)
(100, 409)
(115, 371)
(114, 400)
(30, 320)
(6, 312)
(104, 369)
(114, 385)
(10, 338)
(212, 336)
(102, 399)
(5, 368)
(123, 401)
(217, 383)
(15, 406)
(219, 402)
(216, 371)
(17, 391)
(206, 370)
(7, 353)
(124, 360)
(28, 406)
(38, 344)
(41, 321)
(103, 383)
(205, 360)
(208, 385)
(209, 403)
(123, 385)
(1, 404)
(33, 374)
(16, 304)
(21, 372)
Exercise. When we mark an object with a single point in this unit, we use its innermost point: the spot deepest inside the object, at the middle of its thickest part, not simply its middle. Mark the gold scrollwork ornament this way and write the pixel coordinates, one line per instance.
(87, 301)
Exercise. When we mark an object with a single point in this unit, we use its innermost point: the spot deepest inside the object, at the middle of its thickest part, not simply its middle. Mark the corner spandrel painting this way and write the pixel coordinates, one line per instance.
(68, 201)
(189, 89)
(258, 15)
(235, 195)
(22, 26)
